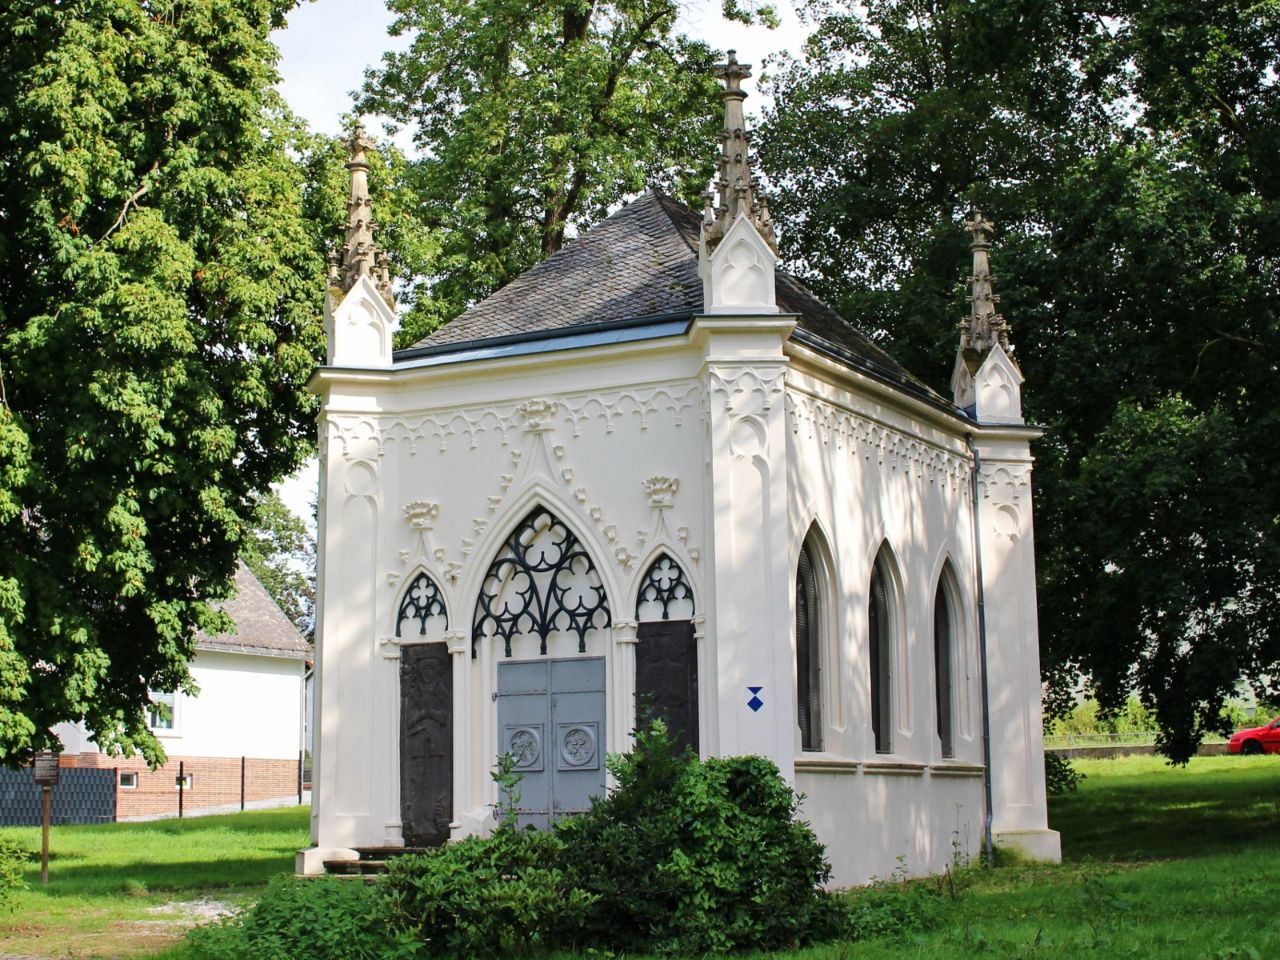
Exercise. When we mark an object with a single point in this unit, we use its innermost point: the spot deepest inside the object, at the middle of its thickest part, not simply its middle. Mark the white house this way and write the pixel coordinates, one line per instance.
(656, 468)
(241, 737)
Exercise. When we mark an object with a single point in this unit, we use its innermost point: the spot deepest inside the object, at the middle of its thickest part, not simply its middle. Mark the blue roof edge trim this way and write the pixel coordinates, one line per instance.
(574, 332)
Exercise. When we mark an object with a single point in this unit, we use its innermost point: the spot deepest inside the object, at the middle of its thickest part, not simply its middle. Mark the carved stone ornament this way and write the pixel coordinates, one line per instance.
(661, 491)
(537, 412)
(422, 514)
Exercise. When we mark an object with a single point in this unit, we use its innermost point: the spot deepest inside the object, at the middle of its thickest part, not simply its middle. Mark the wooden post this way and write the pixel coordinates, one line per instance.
(45, 773)
(242, 784)
(46, 796)
(182, 785)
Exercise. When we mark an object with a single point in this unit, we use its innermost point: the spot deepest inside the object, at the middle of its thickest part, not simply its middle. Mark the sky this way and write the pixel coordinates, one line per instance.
(328, 44)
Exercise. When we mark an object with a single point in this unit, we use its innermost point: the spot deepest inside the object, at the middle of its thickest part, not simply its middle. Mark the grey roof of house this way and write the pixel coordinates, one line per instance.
(643, 262)
(261, 626)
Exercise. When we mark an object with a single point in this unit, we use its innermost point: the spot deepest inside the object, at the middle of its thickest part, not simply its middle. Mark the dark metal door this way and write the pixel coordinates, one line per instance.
(426, 744)
(667, 678)
(551, 716)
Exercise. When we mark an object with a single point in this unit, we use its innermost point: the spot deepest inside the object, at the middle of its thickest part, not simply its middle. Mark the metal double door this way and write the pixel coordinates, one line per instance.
(551, 721)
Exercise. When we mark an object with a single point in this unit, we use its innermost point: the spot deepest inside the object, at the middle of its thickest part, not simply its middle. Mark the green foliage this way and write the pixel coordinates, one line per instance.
(13, 861)
(690, 857)
(159, 310)
(493, 896)
(1124, 151)
(533, 119)
(326, 918)
(281, 552)
(891, 909)
(1059, 775)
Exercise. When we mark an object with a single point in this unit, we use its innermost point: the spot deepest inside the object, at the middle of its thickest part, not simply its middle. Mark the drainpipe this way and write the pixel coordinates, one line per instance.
(987, 846)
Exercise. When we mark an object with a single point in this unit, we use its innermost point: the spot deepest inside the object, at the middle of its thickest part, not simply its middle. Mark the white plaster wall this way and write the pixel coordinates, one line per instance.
(876, 472)
(429, 469)
(248, 706)
(471, 452)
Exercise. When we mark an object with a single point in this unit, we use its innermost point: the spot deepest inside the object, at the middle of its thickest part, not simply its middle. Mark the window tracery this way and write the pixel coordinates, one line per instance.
(665, 586)
(541, 582)
(422, 601)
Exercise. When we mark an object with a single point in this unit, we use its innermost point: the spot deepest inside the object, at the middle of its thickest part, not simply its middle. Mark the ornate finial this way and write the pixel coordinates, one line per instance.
(360, 255)
(984, 327)
(736, 189)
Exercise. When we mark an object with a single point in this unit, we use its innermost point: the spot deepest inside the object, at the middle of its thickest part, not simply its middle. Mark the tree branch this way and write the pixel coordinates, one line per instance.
(131, 201)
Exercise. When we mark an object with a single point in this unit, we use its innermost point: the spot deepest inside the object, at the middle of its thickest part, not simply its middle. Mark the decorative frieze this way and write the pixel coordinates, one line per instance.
(364, 436)
(842, 429)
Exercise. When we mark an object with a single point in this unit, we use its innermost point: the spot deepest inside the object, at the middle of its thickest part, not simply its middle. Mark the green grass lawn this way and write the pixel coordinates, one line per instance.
(1159, 862)
(129, 889)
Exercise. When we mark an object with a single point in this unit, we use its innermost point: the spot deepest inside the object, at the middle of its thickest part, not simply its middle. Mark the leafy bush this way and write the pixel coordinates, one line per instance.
(1059, 776)
(687, 856)
(487, 896)
(327, 918)
(892, 908)
(13, 860)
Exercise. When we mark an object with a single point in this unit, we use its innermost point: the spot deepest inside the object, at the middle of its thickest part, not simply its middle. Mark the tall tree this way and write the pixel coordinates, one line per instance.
(533, 119)
(158, 320)
(1123, 146)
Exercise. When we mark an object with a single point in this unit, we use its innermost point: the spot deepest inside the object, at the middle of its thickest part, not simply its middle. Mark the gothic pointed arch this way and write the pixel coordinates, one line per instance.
(665, 591)
(541, 582)
(667, 651)
(883, 632)
(811, 596)
(422, 605)
(946, 621)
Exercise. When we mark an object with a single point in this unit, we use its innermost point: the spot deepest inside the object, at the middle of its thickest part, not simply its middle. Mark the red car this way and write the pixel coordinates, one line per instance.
(1257, 739)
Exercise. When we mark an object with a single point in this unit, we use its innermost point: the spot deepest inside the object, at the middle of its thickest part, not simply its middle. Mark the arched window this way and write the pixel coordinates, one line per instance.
(665, 593)
(880, 631)
(423, 605)
(541, 582)
(943, 660)
(808, 653)
(667, 652)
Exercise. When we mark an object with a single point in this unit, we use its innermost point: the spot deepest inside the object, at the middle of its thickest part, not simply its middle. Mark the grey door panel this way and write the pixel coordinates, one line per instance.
(551, 717)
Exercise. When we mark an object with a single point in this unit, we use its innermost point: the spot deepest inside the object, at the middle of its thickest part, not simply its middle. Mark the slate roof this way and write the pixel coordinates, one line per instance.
(643, 262)
(261, 626)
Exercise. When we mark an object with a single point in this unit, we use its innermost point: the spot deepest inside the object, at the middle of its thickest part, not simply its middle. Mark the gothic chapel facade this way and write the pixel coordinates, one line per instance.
(655, 469)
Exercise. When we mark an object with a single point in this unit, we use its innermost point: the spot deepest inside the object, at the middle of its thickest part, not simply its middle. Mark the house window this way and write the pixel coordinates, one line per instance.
(942, 666)
(129, 781)
(160, 716)
(881, 657)
(808, 653)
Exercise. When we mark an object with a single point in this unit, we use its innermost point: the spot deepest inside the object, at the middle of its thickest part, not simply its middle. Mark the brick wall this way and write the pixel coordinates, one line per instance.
(215, 782)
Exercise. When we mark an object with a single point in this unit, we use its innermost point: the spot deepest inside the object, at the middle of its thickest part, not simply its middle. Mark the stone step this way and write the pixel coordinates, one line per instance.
(372, 861)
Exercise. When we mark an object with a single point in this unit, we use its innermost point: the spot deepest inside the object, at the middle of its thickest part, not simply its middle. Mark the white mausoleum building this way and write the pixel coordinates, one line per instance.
(656, 470)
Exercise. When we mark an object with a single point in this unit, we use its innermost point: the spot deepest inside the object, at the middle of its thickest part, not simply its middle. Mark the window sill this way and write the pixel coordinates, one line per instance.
(895, 768)
(820, 764)
(956, 768)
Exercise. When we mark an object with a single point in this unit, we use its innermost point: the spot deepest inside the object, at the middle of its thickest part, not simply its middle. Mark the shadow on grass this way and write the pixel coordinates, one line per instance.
(1230, 806)
(158, 876)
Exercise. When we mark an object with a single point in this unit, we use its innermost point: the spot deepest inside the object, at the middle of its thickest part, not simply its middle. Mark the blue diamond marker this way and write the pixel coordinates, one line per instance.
(755, 703)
